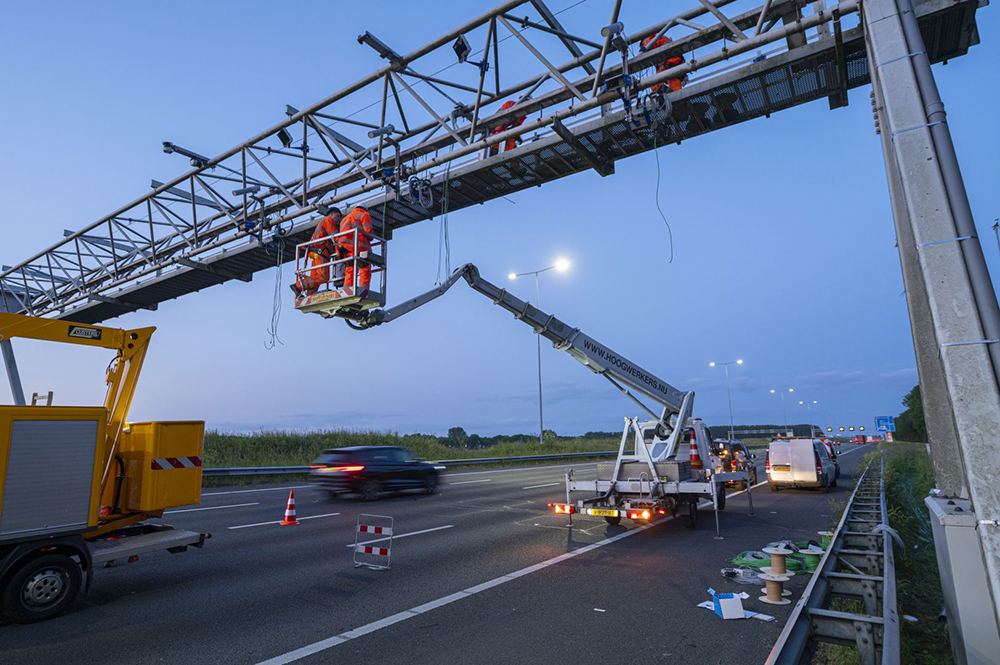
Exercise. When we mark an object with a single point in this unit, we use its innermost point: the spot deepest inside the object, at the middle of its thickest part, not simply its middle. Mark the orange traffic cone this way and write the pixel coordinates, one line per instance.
(290, 510)
(693, 455)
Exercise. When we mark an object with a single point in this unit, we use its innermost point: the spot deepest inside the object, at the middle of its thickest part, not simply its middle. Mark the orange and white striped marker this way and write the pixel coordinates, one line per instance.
(290, 510)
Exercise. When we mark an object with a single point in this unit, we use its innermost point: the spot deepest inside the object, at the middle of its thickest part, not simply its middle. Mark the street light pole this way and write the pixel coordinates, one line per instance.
(784, 412)
(562, 265)
(809, 411)
(729, 394)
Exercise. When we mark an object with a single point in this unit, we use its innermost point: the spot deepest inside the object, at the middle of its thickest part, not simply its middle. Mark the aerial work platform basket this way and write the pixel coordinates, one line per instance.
(329, 295)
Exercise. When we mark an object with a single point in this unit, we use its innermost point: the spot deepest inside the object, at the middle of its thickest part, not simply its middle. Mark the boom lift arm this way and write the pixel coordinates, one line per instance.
(123, 372)
(625, 375)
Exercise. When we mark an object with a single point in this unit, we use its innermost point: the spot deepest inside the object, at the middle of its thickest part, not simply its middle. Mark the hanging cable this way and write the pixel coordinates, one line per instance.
(279, 244)
(658, 209)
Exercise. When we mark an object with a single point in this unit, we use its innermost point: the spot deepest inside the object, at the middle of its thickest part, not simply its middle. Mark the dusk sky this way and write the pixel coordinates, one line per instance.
(783, 236)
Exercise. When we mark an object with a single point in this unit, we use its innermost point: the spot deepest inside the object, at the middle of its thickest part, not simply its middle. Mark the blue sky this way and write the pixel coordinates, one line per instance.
(784, 250)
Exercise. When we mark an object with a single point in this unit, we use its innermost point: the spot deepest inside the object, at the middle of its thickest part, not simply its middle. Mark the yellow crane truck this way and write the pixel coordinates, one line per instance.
(79, 484)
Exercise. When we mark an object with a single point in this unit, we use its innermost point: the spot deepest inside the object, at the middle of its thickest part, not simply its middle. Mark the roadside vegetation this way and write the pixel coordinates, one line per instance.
(280, 448)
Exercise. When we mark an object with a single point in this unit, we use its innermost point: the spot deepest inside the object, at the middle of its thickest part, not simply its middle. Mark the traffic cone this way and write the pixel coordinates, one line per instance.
(694, 456)
(290, 510)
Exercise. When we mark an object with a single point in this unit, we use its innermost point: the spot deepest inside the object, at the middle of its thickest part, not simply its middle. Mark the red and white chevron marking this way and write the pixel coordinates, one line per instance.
(368, 549)
(381, 530)
(161, 463)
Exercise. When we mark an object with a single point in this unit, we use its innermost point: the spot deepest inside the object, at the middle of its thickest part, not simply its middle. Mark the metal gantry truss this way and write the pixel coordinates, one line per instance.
(432, 132)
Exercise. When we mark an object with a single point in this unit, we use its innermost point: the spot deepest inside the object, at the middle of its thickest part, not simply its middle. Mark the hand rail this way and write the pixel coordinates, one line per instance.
(281, 470)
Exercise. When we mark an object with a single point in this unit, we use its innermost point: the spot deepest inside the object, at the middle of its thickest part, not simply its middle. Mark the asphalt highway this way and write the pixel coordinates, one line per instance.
(481, 571)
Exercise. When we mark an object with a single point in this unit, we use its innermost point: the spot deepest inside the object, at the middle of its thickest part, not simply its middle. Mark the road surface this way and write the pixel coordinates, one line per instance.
(481, 571)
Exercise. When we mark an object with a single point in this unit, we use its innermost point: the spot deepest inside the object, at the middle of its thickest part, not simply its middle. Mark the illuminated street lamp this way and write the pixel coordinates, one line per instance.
(560, 265)
(728, 393)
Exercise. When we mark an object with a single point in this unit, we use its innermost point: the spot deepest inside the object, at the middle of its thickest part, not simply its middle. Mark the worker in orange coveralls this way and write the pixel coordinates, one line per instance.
(509, 144)
(648, 45)
(362, 221)
(320, 253)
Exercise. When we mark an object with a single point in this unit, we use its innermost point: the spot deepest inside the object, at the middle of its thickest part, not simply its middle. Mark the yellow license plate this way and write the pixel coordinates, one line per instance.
(603, 512)
(782, 467)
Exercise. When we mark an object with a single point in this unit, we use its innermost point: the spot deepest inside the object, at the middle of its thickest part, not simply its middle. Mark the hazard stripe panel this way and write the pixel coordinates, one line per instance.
(161, 463)
(381, 530)
(367, 549)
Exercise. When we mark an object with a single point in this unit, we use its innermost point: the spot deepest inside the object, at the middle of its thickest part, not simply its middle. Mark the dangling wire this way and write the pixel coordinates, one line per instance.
(279, 241)
(444, 237)
(658, 209)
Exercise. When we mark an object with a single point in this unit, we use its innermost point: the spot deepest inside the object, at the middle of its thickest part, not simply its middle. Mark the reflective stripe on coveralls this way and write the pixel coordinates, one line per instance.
(509, 144)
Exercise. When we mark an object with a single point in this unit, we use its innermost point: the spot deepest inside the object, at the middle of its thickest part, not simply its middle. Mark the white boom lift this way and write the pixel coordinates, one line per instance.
(670, 466)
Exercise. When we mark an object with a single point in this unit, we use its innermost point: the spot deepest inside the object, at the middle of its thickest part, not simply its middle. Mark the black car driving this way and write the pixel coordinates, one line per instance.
(372, 471)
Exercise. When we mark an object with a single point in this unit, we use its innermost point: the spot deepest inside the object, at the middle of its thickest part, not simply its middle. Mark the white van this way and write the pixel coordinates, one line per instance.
(799, 463)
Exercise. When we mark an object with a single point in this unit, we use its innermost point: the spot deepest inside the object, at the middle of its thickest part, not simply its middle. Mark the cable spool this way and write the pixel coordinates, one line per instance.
(778, 562)
(774, 589)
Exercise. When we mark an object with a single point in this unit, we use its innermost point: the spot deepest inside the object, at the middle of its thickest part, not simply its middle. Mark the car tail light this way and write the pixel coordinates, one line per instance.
(318, 466)
(640, 514)
(348, 469)
(819, 468)
(563, 508)
(767, 464)
(661, 511)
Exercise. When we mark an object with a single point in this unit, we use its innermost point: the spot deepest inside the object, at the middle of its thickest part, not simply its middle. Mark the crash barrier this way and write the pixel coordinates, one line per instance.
(858, 564)
(281, 470)
(376, 551)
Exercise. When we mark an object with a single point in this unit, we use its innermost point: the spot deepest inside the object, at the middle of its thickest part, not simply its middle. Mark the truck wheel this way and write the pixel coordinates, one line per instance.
(825, 489)
(692, 520)
(41, 589)
(722, 497)
(613, 521)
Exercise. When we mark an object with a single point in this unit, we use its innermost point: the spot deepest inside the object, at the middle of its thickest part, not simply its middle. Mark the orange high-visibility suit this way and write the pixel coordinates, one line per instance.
(319, 253)
(509, 144)
(673, 61)
(356, 219)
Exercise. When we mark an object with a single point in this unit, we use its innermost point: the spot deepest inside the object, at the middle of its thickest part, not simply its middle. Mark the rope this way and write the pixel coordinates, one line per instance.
(444, 237)
(276, 299)
(658, 209)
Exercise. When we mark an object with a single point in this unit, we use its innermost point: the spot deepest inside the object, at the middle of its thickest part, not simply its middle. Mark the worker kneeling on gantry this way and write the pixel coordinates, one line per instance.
(333, 269)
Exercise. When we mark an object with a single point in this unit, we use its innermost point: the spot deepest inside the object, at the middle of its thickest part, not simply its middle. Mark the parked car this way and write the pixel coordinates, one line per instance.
(799, 463)
(734, 456)
(833, 454)
(372, 471)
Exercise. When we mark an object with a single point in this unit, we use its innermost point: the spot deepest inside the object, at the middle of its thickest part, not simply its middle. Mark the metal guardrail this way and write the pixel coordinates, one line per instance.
(282, 470)
(857, 565)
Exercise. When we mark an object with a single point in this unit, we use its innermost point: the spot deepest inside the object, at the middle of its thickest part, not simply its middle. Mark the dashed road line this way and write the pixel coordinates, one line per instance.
(469, 482)
(534, 487)
(193, 510)
(265, 489)
(310, 517)
(404, 535)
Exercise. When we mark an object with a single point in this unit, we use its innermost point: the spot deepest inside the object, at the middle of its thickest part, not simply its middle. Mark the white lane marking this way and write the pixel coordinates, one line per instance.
(469, 482)
(311, 517)
(192, 510)
(404, 535)
(334, 640)
(521, 469)
(266, 489)
(534, 487)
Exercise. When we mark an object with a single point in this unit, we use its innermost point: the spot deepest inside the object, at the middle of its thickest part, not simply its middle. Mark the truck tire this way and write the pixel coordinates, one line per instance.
(722, 497)
(41, 588)
(692, 520)
(613, 521)
(825, 489)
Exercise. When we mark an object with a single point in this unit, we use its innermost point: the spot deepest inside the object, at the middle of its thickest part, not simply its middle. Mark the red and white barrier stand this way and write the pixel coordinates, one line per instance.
(375, 551)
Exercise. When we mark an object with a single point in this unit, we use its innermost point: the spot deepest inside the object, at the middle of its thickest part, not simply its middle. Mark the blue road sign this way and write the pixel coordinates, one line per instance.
(885, 424)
